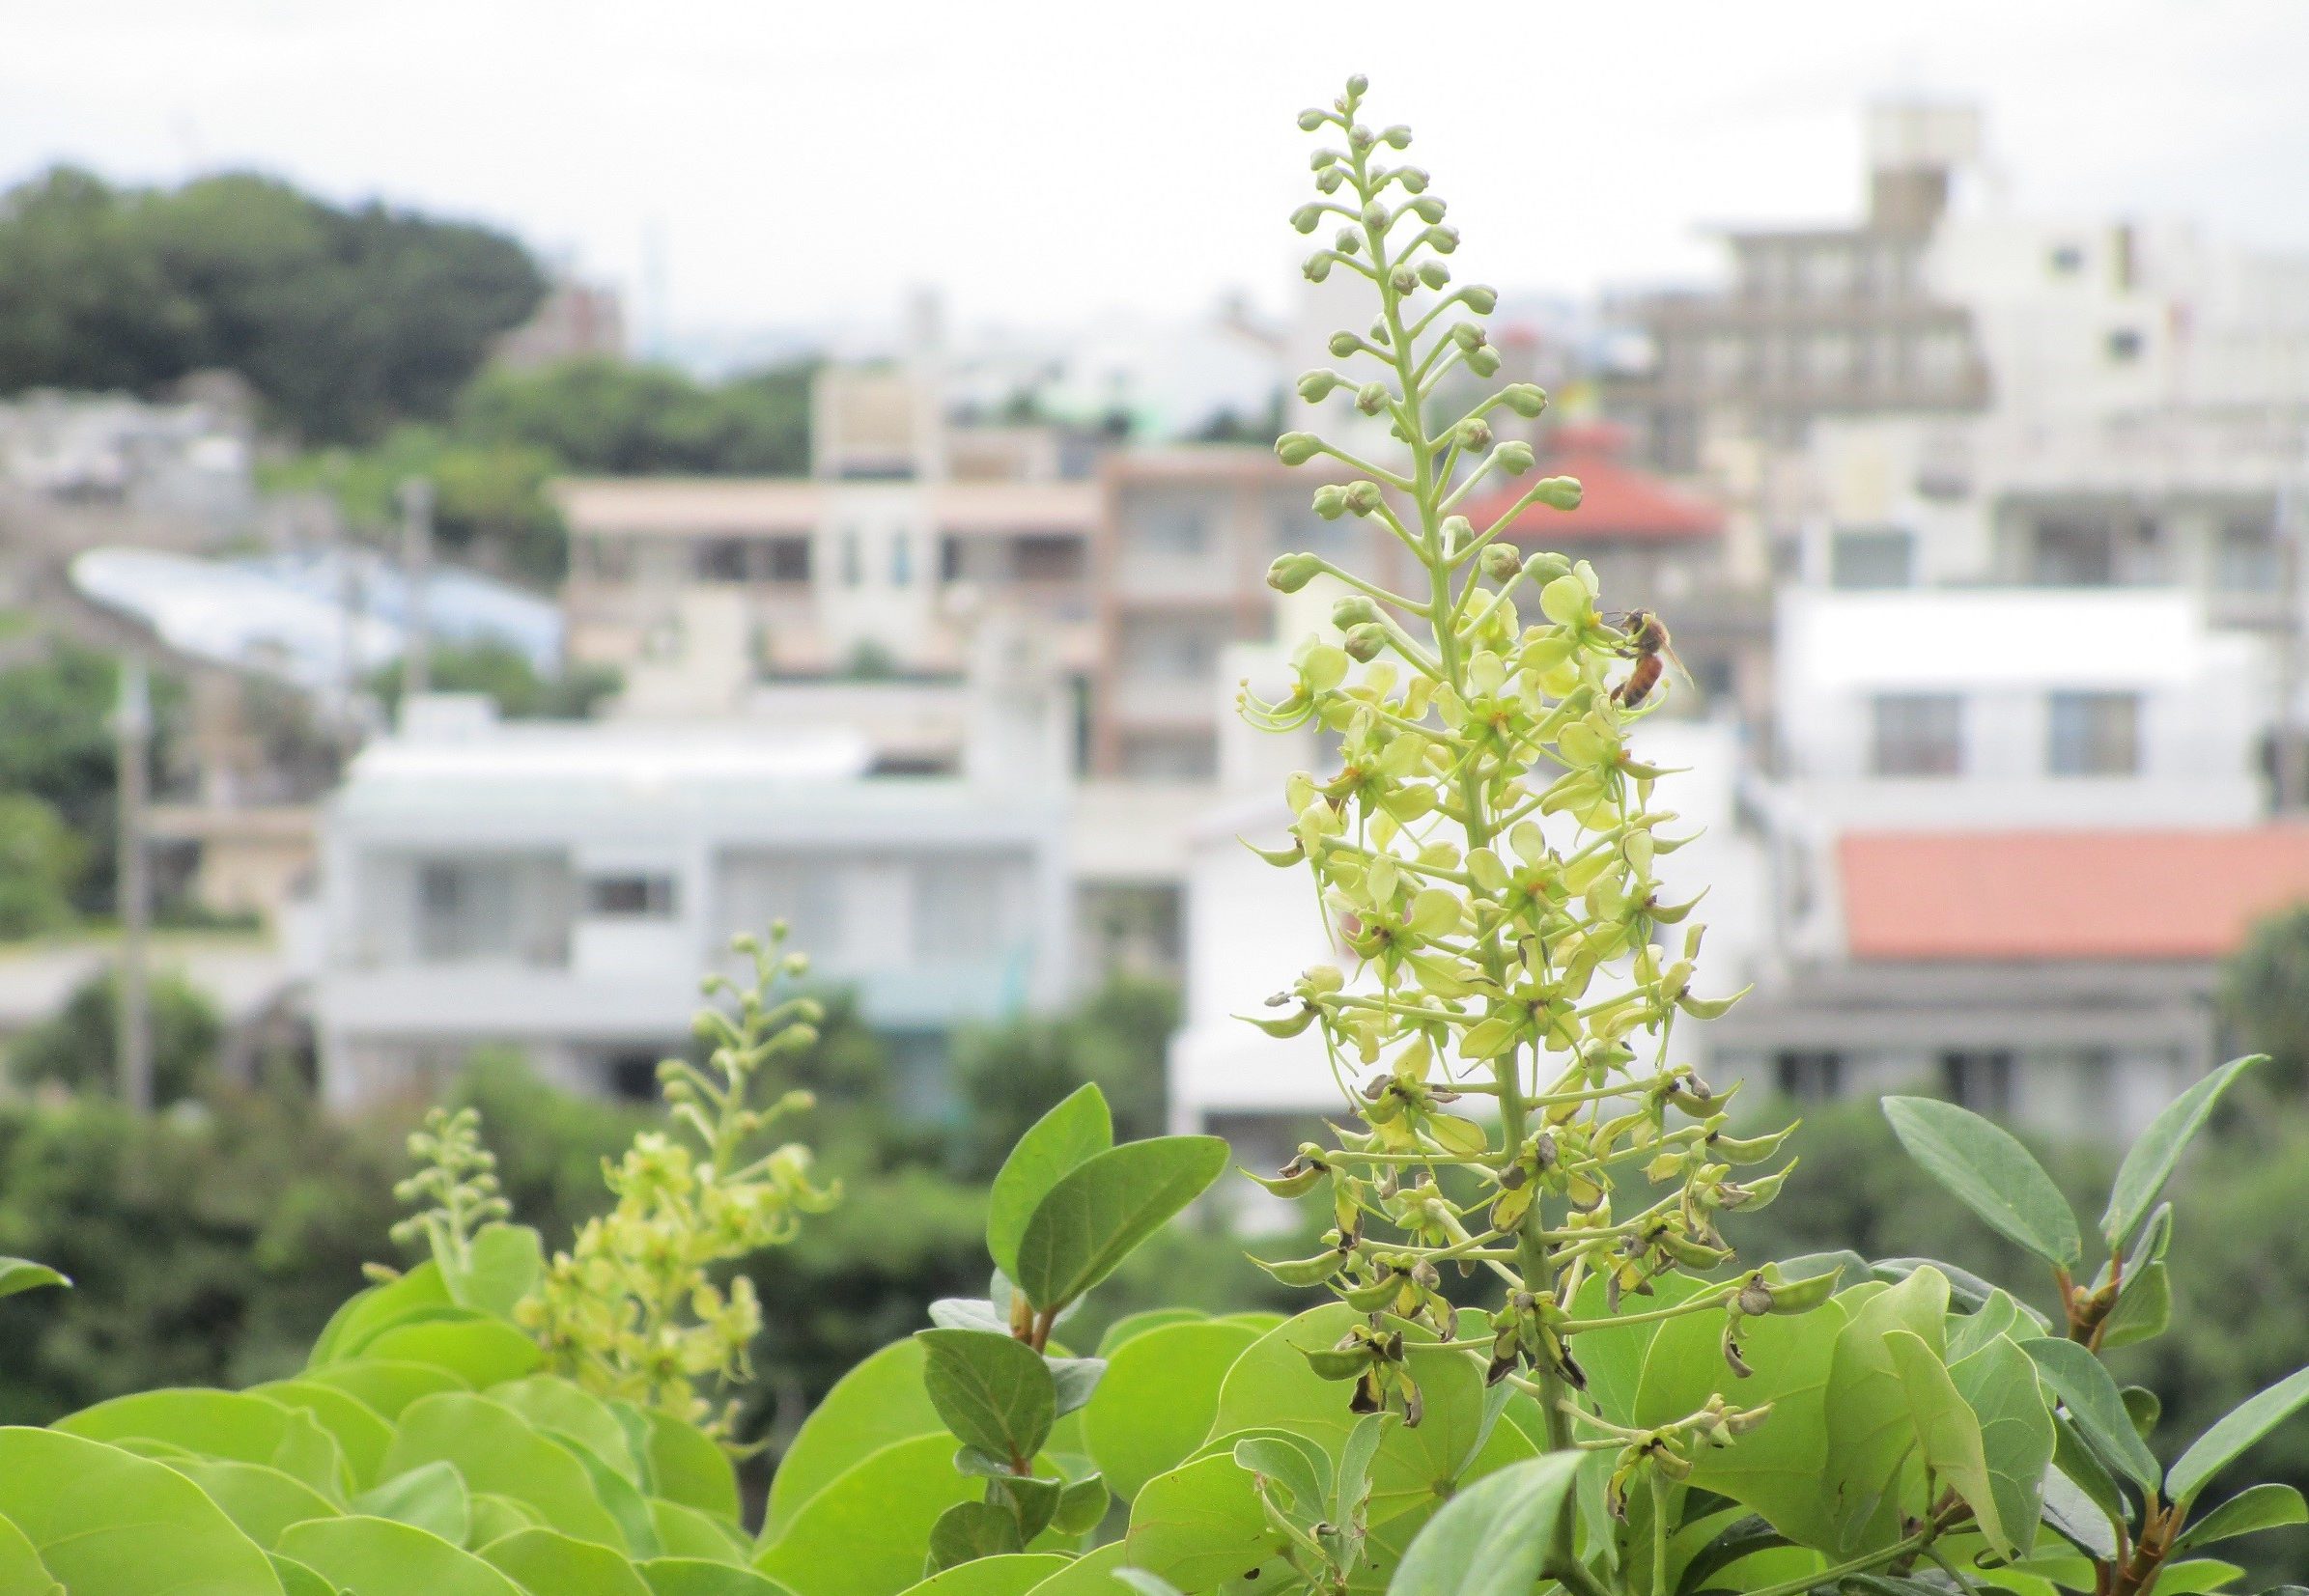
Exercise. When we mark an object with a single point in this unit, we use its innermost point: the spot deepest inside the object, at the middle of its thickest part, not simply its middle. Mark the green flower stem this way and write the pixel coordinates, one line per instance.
(1371, 589)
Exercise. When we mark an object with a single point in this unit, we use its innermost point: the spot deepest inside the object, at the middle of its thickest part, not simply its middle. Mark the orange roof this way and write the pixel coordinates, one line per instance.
(1616, 499)
(2055, 895)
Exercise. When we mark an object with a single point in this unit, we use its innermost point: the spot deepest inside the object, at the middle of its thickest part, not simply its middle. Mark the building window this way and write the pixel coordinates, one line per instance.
(787, 559)
(1169, 525)
(964, 910)
(721, 560)
(901, 560)
(1918, 734)
(2068, 552)
(2093, 733)
(632, 1075)
(1978, 1080)
(853, 566)
(2245, 559)
(1047, 558)
(2066, 260)
(1808, 1074)
(2124, 346)
(1875, 557)
(630, 897)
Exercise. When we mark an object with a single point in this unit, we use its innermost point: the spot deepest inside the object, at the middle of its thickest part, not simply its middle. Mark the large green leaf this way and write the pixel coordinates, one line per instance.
(1991, 1173)
(1132, 1324)
(551, 1403)
(235, 1425)
(297, 1580)
(500, 1451)
(687, 1465)
(1090, 1575)
(1159, 1396)
(682, 1531)
(366, 1556)
(2256, 1507)
(1776, 1468)
(1092, 1218)
(1201, 1523)
(1009, 1573)
(1949, 1433)
(478, 1349)
(1272, 1387)
(361, 1432)
(383, 1385)
(878, 1402)
(2241, 1426)
(1079, 1129)
(1492, 1538)
(617, 1494)
(2152, 1159)
(23, 1275)
(1866, 1407)
(366, 1312)
(432, 1496)
(548, 1563)
(101, 1519)
(992, 1392)
(698, 1577)
(20, 1569)
(2085, 1386)
(506, 1262)
(868, 1531)
(263, 1502)
(1999, 1383)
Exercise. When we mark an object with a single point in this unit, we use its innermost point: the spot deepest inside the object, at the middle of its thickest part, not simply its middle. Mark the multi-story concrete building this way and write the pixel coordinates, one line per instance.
(559, 887)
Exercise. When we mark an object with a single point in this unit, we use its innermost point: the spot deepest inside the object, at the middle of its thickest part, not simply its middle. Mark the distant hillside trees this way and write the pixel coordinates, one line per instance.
(344, 320)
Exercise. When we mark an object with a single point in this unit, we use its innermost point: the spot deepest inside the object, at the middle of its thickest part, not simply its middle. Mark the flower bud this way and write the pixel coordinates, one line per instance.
(1297, 448)
(1364, 497)
(1315, 267)
(1322, 158)
(1353, 610)
(1501, 563)
(1293, 571)
(1402, 279)
(1331, 501)
(1480, 297)
(1456, 530)
(1514, 456)
(1468, 336)
(1756, 1298)
(1413, 180)
(1525, 399)
(1475, 434)
(1427, 208)
(1364, 643)
(1397, 137)
(1309, 119)
(1359, 85)
(1559, 493)
(1434, 273)
(1360, 137)
(1484, 361)
(1348, 243)
(1444, 239)
(1330, 177)
(1371, 398)
(1308, 217)
(1344, 344)
(1314, 385)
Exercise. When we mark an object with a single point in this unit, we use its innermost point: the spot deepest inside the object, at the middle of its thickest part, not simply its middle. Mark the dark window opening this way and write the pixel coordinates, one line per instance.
(630, 897)
(1808, 1074)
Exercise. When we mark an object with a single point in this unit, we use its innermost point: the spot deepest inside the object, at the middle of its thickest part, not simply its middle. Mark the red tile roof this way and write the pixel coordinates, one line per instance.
(2066, 895)
(1616, 499)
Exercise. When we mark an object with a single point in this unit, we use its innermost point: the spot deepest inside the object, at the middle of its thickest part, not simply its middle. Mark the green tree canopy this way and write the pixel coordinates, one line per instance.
(2264, 993)
(40, 860)
(345, 321)
(77, 1047)
(610, 417)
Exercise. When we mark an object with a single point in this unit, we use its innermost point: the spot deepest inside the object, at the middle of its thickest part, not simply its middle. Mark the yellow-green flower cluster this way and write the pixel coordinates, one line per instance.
(457, 1180)
(635, 1308)
(1486, 851)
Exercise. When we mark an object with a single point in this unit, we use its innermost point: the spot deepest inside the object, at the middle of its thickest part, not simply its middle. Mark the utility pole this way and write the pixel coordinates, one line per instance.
(132, 1021)
(417, 573)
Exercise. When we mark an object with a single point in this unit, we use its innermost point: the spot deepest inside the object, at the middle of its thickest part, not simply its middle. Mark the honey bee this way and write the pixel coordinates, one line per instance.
(1648, 645)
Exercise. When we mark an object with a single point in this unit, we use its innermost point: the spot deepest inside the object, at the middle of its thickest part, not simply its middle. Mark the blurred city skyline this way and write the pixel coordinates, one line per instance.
(748, 170)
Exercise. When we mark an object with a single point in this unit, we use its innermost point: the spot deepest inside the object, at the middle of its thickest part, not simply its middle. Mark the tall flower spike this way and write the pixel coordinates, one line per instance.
(1486, 851)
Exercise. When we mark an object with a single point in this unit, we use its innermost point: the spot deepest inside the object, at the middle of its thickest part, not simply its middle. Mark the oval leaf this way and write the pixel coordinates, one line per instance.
(2085, 1386)
(1089, 1221)
(1987, 1171)
(379, 1558)
(2151, 1161)
(100, 1520)
(2244, 1425)
(1079, 1129)
(993, 1392)
(1492, 1538)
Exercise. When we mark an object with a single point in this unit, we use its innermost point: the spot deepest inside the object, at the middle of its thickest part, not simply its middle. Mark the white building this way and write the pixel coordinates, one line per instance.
(561, 888)
(192, 460)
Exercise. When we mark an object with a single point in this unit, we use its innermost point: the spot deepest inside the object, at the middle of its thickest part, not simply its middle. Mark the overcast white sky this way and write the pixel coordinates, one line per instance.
(1045, 162)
